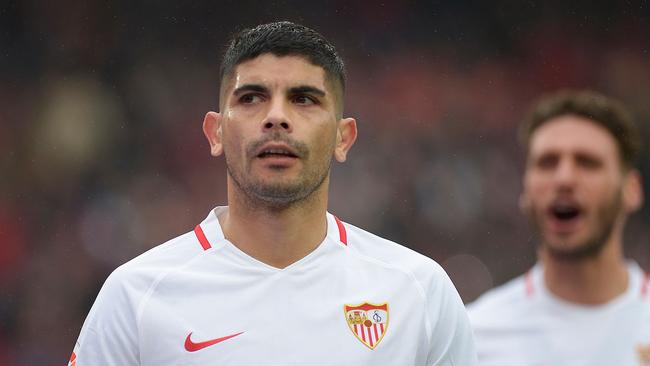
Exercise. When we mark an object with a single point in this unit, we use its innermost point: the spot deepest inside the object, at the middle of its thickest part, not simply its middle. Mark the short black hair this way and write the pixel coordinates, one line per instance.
(602, 110)
(284, 39)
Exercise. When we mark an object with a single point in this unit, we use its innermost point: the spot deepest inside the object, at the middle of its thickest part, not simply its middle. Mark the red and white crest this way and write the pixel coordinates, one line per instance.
(368, 322)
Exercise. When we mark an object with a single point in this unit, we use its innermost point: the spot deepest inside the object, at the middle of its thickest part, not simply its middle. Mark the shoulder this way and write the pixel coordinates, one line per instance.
(383, 252)
(110, 332)
(639, 280)
(501, 302)
(131, 283)
(172, 253)
(133, 279)
(444, 313)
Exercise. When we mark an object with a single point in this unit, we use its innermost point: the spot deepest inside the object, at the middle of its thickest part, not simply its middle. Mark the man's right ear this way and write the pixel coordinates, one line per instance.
(212, 131)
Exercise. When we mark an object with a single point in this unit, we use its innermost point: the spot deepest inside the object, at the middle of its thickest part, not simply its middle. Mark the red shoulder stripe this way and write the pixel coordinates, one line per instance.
(343, 235)
(202, 239)
(644, 285)
(530, 289)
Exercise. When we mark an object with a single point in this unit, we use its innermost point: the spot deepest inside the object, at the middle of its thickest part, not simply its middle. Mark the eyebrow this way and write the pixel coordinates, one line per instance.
(250, 88)
(306, 89)
(302, 89)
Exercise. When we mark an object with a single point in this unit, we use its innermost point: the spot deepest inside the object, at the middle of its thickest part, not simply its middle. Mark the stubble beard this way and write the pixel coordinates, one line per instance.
(278, 195)
(607, 216)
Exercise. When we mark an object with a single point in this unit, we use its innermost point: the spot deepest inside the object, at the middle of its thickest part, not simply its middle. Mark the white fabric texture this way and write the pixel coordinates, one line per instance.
(521, 323)
(148, 307)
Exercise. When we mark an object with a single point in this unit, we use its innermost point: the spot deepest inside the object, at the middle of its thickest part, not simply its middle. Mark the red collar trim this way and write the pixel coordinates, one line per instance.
(528, 281)
(343, 235)
(202, 239)
(205, 244)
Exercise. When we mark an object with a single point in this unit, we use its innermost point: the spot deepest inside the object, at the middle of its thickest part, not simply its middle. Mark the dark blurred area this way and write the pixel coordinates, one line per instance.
(102, 155)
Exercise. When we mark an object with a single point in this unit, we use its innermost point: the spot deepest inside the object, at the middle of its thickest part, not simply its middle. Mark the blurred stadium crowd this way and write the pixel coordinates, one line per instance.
(102, 154)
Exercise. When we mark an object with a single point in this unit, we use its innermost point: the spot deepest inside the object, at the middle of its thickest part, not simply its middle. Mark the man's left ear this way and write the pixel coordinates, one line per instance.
(632, 191)
(346, 135)
(212, 124)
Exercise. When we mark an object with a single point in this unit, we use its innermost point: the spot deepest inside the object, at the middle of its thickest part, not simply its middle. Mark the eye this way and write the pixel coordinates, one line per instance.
(589, 162)
(303, 99)
(546, 161)
(250, 98)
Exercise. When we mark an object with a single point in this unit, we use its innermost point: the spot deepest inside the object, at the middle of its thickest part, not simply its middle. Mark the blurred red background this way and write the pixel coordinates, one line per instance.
(102, 154)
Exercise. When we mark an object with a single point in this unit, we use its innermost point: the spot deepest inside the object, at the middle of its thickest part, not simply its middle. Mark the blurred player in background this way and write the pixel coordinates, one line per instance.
(583, 303)
(273, 278)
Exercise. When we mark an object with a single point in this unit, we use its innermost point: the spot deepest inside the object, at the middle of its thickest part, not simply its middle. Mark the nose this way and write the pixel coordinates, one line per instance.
(277, 118)
(565, 173)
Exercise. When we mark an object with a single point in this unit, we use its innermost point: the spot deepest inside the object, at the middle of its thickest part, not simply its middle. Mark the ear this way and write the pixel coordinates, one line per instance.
(632, 191)
(346, 135)
(212, 131)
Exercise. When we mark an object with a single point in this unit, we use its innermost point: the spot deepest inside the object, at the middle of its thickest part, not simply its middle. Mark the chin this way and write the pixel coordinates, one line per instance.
(573, 251)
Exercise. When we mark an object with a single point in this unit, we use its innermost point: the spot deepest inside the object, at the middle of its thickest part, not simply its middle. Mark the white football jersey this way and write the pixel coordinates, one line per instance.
(522, 324)
(357, 299)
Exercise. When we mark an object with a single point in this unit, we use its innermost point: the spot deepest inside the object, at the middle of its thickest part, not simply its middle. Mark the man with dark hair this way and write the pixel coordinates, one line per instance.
(582, 304)
(273, 278)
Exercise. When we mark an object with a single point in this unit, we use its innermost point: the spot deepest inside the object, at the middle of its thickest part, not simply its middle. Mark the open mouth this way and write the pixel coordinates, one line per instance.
(565, 212)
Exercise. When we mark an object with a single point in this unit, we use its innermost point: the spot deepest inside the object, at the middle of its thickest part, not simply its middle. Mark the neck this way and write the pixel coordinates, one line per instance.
(588, 281)
(272, 235)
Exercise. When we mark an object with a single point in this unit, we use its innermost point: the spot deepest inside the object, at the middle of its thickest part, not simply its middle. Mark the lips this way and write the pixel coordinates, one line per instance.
(276, 151)
(277, 155)
(564, 216)
(565, 212)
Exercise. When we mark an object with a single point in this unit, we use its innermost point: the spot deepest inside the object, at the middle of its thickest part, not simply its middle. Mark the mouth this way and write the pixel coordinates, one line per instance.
(565, 216)
(277, 155)
(565, 211)
(276, 152)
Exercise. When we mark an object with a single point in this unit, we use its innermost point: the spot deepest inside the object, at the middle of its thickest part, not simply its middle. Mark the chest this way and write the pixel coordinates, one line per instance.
(338, 317)
(609, 338)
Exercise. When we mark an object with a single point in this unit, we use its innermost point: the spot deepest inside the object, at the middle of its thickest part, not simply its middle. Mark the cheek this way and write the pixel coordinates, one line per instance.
(604, 195)
(606, 186)
(329, 133)
(320, 136)
(325, 143)
(233, 142)
(536, 191)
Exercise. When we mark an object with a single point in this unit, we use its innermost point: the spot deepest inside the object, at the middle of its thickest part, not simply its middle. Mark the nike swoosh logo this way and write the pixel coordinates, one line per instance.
(193, 347)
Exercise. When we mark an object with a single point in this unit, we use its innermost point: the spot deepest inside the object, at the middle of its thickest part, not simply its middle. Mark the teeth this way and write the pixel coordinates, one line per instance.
(282, 152)
(276, 151)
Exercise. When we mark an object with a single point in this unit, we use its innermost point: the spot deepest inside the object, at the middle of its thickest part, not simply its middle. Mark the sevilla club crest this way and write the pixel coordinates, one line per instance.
(368, 322)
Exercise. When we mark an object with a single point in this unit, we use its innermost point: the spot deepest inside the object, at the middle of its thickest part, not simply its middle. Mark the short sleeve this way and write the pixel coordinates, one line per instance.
(452, 342)
(109, 336)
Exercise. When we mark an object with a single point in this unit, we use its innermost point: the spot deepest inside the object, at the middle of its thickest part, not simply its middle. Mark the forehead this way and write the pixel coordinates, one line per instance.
(278, 71)
(573, 134)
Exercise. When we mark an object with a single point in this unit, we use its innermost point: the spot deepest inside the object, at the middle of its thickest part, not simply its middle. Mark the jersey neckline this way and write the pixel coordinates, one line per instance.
(210, 236)
(536, 288)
